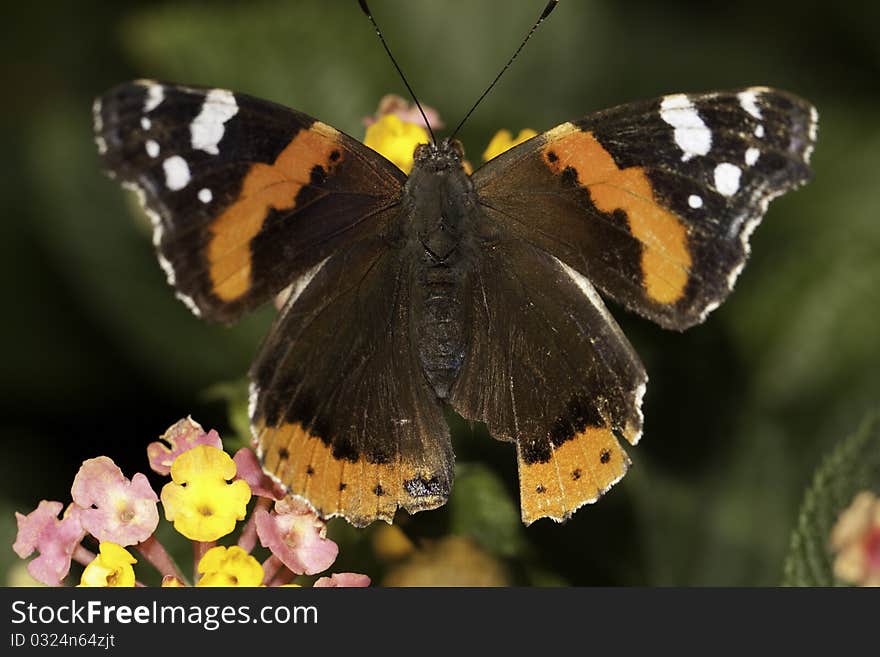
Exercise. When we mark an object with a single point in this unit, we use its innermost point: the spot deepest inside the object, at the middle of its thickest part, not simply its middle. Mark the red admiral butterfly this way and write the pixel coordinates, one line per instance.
(442, 289)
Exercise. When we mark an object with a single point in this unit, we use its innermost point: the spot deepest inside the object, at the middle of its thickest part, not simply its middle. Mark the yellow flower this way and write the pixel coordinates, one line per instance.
(396, 140)
(200, 500)
(229, 567)
(170, 581)
(112, 567)
(503, 140)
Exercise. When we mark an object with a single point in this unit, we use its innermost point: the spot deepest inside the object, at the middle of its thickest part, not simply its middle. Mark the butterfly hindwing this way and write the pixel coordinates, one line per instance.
(246, 196)
(549, 369)
(341, 410)
(655, 201)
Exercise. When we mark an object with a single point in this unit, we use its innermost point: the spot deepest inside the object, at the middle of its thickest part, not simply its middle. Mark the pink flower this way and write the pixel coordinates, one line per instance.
(54, 539)
(182, 436)
(338, 580)
(405, 111)
(113, 508)
(249, 468)
(296, 536)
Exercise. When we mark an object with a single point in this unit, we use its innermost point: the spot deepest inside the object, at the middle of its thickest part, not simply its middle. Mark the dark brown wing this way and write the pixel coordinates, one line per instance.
(549, 369)
(340, 407)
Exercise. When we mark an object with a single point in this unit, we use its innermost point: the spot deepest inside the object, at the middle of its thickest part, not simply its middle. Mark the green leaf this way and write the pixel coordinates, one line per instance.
(481, 507)
(854, 465)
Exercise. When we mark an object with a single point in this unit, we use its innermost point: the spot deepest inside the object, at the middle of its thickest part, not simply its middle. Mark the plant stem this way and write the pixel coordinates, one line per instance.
(248, 539)
(270, 567)
(284, 576)
(154, 552)
(199, 549)
(83, 556)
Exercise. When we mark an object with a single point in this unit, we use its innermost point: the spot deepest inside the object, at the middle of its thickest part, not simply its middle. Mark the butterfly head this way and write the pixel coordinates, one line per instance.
(444, 155)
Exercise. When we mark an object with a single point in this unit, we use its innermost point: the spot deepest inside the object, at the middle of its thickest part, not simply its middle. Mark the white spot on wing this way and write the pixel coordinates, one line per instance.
(146, 124)
(96, 115)
(205, 195)
(814, 123)
(165, 264)
(155, 96)
(98, 123)
(177, 174)
(638, 396)
(708, 310)
(727, 178)
(752, 155)
(759, 131)
(207, 129)
(748, 100)
(812, 133)
(695, 201)
(189, 303)
(152, 148)
(691, 134)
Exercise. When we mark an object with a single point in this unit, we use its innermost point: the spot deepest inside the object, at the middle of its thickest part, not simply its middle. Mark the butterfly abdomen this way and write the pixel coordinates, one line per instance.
(440, 204)
(440, 331)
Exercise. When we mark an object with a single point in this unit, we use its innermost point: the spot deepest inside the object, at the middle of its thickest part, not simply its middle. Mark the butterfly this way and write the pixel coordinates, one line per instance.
(478, 293)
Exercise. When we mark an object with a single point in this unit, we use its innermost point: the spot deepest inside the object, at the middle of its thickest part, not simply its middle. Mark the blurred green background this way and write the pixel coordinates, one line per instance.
(100, 358)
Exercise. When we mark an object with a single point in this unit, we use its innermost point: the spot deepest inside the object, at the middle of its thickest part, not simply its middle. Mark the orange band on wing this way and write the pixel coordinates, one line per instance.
(578, 472)
(360, 491)
(265, 186)
(666, 260)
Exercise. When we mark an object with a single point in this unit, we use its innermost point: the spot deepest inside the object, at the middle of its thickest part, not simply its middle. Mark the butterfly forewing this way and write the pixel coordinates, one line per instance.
(246, 196)
(654, 202)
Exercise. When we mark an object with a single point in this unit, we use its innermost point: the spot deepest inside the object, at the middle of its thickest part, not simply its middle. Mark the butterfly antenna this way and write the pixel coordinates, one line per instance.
(544, 14)
(366, 10)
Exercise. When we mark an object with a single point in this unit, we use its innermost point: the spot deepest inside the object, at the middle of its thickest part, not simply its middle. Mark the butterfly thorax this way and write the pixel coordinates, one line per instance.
(441, 214)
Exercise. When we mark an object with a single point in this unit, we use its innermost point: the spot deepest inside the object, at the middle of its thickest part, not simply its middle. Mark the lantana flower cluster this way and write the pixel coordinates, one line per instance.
(208, 495)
